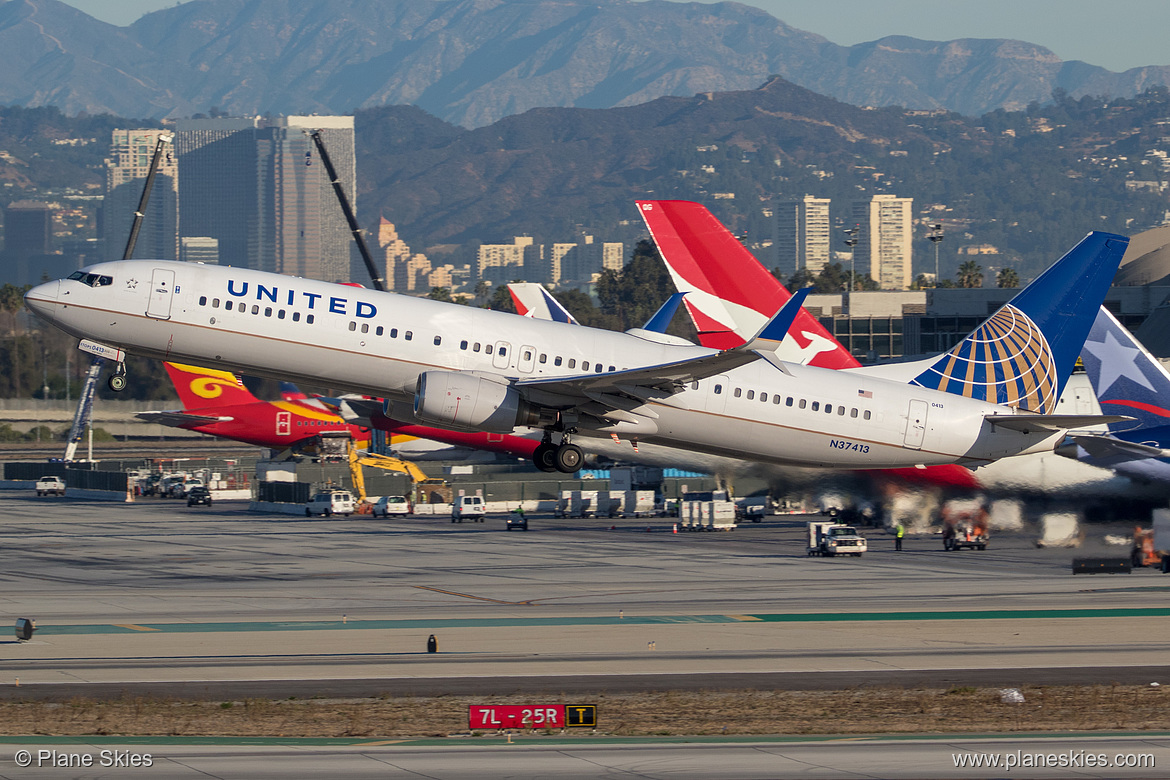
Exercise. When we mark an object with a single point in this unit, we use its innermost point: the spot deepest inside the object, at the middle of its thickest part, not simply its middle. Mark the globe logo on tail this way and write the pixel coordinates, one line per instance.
(1006, 361)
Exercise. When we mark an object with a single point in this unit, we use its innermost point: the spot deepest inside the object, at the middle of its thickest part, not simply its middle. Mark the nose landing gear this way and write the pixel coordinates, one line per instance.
(117, 380)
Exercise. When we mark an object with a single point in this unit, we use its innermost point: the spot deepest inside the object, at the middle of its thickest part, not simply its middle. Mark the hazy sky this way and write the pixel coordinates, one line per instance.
(1116, 35)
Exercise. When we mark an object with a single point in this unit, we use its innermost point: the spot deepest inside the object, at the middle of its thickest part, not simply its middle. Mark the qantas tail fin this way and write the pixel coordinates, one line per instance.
(532, 300)
(729, 294)
(1127, 378)
(204, 387)
(1022, 356)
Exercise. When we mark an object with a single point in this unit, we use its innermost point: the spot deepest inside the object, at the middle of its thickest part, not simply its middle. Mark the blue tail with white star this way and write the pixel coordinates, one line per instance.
(1128, 380)
(1023, 355)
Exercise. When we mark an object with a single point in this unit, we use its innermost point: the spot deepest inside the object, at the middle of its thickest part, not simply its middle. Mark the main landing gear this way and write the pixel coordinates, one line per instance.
(563, 457)
(117, 380)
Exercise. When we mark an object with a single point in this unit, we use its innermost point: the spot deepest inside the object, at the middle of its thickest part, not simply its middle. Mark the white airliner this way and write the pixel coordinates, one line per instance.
(462, 368)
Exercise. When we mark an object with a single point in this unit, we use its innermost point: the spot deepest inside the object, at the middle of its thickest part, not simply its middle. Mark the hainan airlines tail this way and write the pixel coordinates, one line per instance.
(200, 388)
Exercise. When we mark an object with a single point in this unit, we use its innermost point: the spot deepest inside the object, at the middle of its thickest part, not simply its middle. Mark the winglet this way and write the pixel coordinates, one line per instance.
(774, 331)
(661, 319)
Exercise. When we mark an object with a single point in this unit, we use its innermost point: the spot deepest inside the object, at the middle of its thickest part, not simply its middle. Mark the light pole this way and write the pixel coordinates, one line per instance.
(936, 236)
(851, 242)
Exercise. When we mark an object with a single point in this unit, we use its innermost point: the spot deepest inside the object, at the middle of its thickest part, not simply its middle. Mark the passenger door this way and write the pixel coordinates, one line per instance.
(162, 286)
(916, 424)
(283, 423)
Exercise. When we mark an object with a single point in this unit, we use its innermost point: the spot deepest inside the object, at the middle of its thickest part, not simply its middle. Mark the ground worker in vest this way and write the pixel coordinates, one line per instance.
(899, 532)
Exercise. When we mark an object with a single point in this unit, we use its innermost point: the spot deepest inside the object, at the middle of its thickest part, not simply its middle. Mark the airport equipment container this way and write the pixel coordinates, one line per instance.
(577, 503)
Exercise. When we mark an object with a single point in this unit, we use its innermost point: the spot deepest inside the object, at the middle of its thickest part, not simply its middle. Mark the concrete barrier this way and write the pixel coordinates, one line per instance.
(242, 494)
(18, 484)
(124, 496)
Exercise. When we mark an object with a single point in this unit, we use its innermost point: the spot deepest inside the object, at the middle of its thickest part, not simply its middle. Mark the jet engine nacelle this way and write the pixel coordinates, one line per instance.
(453, 399)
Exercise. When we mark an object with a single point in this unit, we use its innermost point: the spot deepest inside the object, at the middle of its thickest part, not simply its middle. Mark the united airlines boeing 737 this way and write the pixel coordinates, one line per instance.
(451, 366)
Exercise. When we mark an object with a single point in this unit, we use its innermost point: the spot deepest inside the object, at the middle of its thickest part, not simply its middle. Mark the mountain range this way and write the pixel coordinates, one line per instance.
(473, 62)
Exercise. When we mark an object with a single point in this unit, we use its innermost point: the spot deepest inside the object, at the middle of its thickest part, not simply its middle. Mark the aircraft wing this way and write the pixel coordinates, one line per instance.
(665, 377)
(180, 419)
(602, 394)
(1050, 423)
(1110, 447)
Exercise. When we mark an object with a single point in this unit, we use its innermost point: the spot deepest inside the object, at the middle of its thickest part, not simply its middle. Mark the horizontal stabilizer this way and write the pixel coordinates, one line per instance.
(1049, 423)
(1110, 447)
(178, 419)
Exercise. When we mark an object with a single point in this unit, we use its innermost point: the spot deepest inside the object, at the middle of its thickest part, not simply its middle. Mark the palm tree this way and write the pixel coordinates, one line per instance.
(1007, 277)
(970, 274)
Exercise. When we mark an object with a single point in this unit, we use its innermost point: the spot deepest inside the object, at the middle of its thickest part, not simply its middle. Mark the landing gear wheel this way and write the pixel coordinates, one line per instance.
(117, 382)
(544, 456)
(568, 458)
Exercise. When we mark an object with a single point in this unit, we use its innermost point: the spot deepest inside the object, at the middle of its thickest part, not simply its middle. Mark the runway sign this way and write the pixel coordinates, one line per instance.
(530, 716)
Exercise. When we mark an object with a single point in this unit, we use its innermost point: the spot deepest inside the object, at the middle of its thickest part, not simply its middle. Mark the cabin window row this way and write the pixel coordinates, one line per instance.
(799, 403)
(267, 311)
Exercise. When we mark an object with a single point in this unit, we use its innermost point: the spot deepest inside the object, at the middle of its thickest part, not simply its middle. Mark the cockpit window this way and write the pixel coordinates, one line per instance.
(93, 280)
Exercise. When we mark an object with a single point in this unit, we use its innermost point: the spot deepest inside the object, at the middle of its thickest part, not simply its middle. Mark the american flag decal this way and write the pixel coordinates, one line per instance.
(1006, 361)
(865, 394)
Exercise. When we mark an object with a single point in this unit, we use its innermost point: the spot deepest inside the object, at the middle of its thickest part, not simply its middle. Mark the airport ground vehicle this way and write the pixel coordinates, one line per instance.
(1151, 546)
(467, 507)
(199, 495)
(330, 502)
(392, 505)
(516, 519)
(50, 486)
(830, 539)
(965, 525)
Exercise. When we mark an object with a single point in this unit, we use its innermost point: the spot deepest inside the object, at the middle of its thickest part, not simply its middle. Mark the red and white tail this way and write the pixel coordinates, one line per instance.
(729, 294)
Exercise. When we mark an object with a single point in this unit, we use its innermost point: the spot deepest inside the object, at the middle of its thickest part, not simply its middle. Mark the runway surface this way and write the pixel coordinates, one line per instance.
(155, 596)
(1114, 756)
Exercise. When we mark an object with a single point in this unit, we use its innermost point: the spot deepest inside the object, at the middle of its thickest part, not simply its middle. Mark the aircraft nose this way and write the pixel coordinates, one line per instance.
(41, 298)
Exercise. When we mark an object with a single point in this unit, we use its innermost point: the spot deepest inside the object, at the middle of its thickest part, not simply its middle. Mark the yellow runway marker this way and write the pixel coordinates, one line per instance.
(744, 617)
(133, 627)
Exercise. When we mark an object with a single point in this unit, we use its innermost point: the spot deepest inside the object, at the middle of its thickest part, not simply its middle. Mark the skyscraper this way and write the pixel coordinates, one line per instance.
(802, 234)
(259, 187)
(884, 241)
(126, 170)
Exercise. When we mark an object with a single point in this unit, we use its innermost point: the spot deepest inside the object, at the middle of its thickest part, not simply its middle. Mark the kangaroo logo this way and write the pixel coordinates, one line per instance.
(1006, 361)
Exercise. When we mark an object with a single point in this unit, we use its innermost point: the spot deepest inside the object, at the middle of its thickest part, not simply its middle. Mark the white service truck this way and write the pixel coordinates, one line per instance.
(50, 486)
(830, 539)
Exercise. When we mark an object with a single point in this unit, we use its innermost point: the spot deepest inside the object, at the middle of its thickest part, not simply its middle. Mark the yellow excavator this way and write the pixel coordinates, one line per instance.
(357, 459)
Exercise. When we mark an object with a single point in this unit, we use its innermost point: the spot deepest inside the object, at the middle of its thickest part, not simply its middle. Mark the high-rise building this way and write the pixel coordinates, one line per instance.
(502, 263)
(28, 244)
(259, 187)
(802, 234)
(126, 169)
(884, 240)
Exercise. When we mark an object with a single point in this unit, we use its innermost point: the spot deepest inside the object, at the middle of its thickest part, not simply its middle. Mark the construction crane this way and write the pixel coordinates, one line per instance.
(357, 459)
(375, 277)
(117, 380)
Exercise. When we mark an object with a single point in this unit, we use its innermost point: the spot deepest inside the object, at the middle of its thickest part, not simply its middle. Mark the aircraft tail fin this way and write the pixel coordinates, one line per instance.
(532, 300)
(730, 295)
(1023, 355)
(204, 387)
(1126, 377)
